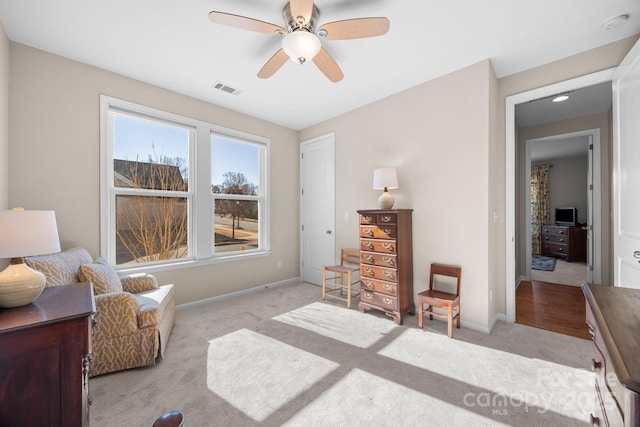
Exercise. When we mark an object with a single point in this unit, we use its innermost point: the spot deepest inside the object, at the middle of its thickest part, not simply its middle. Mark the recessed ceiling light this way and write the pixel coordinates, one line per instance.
(614, 23)
(560, 98)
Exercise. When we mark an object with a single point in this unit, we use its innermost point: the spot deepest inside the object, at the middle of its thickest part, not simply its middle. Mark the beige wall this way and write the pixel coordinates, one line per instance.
(446, 137)
(54, 152)
(4, 119)
(437, 135)
(595, 121)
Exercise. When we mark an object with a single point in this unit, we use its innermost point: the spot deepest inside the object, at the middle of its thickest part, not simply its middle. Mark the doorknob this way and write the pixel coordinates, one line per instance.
(636, 254)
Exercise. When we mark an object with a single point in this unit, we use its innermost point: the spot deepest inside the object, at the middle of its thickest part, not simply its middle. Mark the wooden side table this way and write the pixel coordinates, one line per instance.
(45, 358)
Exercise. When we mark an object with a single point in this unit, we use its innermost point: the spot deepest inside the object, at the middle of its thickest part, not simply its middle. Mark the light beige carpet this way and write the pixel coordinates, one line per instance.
(282, 357)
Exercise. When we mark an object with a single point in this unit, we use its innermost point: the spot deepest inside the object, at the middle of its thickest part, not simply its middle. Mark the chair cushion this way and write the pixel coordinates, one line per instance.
(60, 268)
(104, 278)
(156, 298)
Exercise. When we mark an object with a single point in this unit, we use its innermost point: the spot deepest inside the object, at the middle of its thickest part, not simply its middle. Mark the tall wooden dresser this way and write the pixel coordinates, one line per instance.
(45, 359)
(386, 262)
(613, 317)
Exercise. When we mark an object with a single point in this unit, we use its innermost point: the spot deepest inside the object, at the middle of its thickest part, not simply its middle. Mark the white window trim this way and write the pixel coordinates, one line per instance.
(201, 250)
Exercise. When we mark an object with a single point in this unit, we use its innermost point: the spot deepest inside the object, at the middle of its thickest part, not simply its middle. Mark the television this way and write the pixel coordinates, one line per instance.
(567, 216)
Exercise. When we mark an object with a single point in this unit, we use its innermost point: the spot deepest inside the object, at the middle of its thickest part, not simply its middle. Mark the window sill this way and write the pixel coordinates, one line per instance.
(126, 270)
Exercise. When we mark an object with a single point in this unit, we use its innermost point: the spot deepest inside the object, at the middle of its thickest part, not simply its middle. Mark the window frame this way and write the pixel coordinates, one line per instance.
(199, 194)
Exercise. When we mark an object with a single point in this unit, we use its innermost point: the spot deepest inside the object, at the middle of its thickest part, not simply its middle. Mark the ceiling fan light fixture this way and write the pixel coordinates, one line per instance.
(301, 46)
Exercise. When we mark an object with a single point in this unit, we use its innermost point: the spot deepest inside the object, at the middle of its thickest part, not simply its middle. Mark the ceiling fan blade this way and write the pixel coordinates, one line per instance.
(329, 67)
(273, 64)
(301, 8)
(355, 28)
(245, 23)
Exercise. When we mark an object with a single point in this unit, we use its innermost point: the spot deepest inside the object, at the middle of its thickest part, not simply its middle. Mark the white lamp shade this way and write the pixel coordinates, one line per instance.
(26, 233)
(385, 177)
(301, 46)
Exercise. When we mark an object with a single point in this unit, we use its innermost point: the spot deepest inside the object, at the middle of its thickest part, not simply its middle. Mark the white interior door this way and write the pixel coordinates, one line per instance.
(590, 217)
(317, 206)
(626, 169)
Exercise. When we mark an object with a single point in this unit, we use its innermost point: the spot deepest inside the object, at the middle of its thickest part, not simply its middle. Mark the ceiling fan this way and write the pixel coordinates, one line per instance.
(301, 40)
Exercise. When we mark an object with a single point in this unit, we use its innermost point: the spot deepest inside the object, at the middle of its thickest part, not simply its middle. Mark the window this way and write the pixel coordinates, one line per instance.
(163, 205)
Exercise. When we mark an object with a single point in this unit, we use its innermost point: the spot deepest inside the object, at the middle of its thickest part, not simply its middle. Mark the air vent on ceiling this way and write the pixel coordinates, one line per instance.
(226, 88)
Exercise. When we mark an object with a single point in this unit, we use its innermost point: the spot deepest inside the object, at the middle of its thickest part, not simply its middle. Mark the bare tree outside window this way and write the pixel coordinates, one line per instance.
(151, 227)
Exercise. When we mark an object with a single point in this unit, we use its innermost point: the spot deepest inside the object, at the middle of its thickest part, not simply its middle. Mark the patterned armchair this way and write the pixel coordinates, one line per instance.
(134, 315)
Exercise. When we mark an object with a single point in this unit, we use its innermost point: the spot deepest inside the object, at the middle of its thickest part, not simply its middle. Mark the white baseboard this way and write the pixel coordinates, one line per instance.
(238, 293)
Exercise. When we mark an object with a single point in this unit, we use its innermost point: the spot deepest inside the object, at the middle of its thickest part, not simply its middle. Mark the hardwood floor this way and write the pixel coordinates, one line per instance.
(554, 307)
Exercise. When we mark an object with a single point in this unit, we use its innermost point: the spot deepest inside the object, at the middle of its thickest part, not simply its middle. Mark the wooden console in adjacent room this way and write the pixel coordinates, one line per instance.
(613, 317)
(565, 242)
(45, 359)
(386, 262)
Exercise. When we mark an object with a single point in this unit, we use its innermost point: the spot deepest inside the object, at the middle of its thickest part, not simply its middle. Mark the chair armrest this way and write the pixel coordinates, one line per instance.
(116, 315)
(136, 283)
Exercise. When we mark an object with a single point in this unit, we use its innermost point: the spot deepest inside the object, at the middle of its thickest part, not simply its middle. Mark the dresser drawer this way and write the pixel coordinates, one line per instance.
(378, 232)
(380, 286)
(384, 259)
(557, 230)
(554, 238)
(384, 301)
(374, 272)
(379, 219)
(373, 245)
(557, 248)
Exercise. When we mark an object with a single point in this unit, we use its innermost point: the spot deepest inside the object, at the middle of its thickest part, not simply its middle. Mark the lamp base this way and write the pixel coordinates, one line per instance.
(385, 201)
(20, 285)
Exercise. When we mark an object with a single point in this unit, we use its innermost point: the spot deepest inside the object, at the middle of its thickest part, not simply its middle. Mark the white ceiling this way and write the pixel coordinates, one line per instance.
(582, 102)
(173, 44)
(560, 148)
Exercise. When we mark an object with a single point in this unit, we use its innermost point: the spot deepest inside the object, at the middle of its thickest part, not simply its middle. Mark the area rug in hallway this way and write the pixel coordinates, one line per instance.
(543, 263)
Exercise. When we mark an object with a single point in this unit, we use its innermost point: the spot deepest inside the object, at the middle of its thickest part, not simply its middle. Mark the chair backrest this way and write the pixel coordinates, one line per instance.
(445, 270)
(350, 256)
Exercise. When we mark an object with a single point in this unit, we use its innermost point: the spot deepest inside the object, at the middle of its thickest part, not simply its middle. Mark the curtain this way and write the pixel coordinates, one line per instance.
(539, 205)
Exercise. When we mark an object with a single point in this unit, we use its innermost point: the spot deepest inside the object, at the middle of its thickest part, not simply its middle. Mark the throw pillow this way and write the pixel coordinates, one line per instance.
(104, 278)
(60, 268)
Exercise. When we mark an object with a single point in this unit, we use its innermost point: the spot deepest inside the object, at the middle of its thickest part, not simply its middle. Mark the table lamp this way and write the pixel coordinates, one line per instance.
(385, 179)
(24, 233)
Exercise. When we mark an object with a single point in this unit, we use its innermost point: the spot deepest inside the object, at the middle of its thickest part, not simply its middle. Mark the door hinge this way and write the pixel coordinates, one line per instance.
(302, 156)
(590, 146)
(302, 191)
(302, 227)
(591, 187)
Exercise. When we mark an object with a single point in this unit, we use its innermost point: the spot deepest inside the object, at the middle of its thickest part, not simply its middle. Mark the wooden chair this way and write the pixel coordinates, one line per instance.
(341, 278)
(441, 300)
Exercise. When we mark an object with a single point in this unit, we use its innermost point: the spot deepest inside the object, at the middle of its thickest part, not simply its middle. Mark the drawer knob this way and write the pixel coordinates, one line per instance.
(386, 218)
(366, 244)
(595, 421)
(387, 287)
(595, 365)
(368, 257)
(387, 245)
